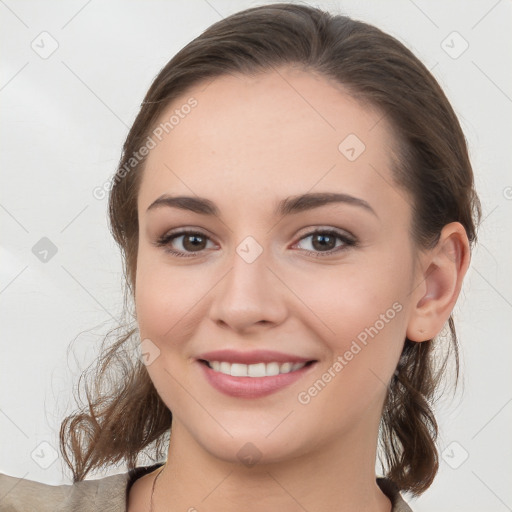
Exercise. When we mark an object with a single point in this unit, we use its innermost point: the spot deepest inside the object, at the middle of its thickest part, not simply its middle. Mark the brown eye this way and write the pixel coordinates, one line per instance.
(194, 242)
(321, 242)
(324, 242)
(183, 242)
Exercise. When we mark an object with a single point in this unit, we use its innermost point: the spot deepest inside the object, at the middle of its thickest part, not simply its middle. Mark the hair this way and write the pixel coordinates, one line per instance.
(125, 415)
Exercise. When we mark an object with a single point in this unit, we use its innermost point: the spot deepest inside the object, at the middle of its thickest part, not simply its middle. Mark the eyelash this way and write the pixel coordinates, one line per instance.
(164, 241)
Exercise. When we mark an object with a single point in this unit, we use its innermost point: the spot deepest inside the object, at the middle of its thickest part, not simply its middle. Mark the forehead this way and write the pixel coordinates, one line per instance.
(275, 134)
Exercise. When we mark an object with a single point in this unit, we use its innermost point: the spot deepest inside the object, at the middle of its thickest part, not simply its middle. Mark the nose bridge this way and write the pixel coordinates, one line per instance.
(249, 267)
(249, 293)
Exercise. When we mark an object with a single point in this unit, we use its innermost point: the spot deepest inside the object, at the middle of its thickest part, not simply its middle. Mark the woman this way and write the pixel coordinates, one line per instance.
(296, 209)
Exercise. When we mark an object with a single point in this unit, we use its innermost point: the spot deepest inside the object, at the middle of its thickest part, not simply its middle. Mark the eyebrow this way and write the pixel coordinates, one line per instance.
(287, 206)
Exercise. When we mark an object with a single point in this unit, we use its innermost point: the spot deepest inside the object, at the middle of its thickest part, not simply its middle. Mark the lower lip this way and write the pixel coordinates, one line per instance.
(252, 387)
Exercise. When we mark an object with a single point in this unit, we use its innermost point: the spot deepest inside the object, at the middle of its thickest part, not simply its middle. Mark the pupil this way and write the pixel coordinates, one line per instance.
(323, 244)
(195, 244)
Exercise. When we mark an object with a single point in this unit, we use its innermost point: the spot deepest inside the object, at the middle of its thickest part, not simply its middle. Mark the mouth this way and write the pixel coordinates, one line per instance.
(255, 380)
(255, 370)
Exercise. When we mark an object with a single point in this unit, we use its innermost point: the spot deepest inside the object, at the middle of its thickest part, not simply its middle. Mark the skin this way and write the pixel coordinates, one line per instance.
(250, 142)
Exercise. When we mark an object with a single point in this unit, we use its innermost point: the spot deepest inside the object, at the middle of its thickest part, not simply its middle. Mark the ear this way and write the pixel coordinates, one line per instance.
(440, 274)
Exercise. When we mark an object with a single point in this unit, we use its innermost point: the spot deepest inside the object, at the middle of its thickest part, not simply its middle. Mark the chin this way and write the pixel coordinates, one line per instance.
(250, 447)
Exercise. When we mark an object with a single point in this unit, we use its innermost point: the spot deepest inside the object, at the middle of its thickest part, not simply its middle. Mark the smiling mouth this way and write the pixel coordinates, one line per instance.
(256, 369)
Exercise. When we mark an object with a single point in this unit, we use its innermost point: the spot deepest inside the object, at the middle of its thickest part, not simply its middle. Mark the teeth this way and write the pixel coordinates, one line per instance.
(254, 370)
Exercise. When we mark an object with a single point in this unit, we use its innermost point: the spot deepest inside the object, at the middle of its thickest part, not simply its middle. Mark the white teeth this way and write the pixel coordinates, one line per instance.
(254, 370)
(271, 369)
(288, 367)
(239, 370)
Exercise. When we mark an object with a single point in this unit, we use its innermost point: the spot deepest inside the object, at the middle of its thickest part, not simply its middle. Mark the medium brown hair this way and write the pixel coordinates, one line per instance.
(125, 415)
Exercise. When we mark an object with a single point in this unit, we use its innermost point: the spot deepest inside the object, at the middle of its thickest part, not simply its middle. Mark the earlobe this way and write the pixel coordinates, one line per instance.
(441, 281)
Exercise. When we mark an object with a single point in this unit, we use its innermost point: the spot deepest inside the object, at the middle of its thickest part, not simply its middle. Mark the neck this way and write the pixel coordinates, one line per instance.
(339, 476)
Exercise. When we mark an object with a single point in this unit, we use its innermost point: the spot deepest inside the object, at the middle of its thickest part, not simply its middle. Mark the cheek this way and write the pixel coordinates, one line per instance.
(363, 320)
(366, 321)
(166, 298)
(166, 316)
(152, 301)
(347, 299)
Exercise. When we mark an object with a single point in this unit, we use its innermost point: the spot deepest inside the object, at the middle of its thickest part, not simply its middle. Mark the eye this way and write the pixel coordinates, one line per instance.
(192, 241)
(323, 242)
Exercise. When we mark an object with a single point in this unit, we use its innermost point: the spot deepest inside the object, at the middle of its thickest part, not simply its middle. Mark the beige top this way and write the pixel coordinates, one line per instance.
(108, 494)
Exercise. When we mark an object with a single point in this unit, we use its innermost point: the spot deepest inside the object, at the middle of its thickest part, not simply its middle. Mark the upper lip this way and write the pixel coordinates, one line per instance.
(252, 356)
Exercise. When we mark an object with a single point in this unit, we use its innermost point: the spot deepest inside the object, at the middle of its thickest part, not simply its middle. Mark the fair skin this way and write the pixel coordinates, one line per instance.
(249, 143)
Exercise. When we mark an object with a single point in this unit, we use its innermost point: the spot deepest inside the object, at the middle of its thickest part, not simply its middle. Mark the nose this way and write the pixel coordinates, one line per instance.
(249, 297)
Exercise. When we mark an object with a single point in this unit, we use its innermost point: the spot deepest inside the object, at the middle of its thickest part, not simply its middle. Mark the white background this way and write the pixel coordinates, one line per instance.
(64, 119)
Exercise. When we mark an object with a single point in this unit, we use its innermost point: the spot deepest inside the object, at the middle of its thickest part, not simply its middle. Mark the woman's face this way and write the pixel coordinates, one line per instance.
(254, 281)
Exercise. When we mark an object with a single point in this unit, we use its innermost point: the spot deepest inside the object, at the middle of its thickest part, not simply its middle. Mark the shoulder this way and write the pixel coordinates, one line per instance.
(393, 493)
(108, 494)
